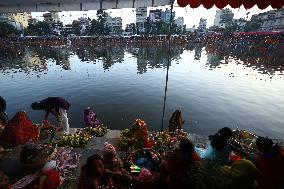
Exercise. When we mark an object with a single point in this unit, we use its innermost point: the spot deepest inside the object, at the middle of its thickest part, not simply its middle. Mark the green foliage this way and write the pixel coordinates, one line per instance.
(99, 26)
(76, 27)
(38, 28)
(207, 174)
(230, 28)
(162, 28)
(252, 25)
(7, 29)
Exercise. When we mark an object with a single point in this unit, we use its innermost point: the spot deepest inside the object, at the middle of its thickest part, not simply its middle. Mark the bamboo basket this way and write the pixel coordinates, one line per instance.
(40, 161)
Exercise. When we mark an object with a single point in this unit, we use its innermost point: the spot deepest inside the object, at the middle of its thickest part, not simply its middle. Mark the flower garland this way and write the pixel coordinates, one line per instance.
(98, 131)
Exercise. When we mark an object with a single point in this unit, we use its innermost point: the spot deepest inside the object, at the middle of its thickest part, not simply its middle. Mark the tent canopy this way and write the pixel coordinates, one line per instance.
(7, 6)
(262, 4)
(82, 5)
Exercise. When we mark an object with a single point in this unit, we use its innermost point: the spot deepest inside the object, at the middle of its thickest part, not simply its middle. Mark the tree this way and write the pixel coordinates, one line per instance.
(230, 28)
(7, 29)
(162, 28)
(252, 25)
(38, 28)
(76, 27)
(99, 26)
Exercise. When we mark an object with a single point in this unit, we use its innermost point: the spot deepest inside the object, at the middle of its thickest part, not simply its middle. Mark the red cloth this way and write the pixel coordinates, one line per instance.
(53, 179)
(19, 130)
(271, 171)
(177, 166)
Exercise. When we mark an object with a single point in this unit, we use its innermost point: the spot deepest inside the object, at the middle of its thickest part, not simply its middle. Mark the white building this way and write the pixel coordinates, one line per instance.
(114, 24)
(223, 17)
(271, 21)
(141, 18)
(179, 21)
(51, 17)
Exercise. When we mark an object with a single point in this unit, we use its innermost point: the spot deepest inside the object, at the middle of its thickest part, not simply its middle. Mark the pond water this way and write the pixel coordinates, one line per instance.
(211, 87)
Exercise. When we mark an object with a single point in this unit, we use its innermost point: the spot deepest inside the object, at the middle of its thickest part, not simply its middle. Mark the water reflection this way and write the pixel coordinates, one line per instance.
(212, 82)
(22, 58)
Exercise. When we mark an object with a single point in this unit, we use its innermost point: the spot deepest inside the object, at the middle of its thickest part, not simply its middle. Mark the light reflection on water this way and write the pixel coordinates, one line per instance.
(213, 87)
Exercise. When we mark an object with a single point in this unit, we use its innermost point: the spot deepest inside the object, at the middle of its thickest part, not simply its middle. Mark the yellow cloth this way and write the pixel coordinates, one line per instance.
(243, 174)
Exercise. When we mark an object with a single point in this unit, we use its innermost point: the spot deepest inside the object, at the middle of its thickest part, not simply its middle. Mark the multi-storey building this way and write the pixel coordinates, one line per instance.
(51, 17)
(141, 18)
(223, 17)
(270, 21)
(155, 15)
(202, 25)
(166, 15)
(114, 24)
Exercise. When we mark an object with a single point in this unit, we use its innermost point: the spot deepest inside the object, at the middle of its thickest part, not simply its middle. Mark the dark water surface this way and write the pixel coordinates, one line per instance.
(123, 82)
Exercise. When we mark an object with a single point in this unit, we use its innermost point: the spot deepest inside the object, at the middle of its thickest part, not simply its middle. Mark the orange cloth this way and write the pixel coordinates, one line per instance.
(19, 130)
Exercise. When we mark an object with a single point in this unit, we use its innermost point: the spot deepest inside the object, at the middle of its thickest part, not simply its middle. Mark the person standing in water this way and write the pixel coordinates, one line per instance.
(58, 107)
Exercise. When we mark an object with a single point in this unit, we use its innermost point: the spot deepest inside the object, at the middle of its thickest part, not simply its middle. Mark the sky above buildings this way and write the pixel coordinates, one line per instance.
(191, 16)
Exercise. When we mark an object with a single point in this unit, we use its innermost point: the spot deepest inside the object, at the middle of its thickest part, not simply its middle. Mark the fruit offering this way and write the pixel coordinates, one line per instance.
(36, 155)
(136, 137)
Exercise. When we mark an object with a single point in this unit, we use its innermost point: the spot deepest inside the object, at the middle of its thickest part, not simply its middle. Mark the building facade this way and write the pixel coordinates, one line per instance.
(51, 17)
(166, 16)
(84, 24)
(202, 25)
(271, 21)
(141, 18)
(223, 17)
(114, 24)
(155, 15)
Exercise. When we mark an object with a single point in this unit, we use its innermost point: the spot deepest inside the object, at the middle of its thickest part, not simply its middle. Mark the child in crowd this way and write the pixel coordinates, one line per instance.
(93, 174)
(114, 166)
